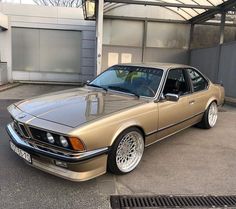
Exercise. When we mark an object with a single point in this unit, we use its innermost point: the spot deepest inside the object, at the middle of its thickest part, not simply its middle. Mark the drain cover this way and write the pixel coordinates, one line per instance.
(138, 202)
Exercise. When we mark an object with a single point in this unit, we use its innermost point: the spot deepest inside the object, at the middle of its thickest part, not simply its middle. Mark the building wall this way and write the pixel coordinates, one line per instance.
(46, 50)
(206, 36)
(227, 68)
(219, 64)
(206, 60)
(49, 18)
(128, 41)
(3, 22)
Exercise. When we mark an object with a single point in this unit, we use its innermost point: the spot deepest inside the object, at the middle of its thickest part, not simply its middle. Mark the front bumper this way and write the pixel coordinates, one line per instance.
(80, 166)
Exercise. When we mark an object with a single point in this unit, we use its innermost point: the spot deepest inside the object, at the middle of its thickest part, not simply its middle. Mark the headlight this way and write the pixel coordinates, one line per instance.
(64, 141)
(50, 138)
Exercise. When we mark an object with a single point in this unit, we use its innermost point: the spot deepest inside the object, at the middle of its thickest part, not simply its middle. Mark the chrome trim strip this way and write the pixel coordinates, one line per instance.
(158, 140)
(74, 157)
(150, 133)
(174, 124)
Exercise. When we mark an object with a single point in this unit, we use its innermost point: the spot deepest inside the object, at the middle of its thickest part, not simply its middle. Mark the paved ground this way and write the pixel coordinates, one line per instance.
(29, 90)
(194, 161)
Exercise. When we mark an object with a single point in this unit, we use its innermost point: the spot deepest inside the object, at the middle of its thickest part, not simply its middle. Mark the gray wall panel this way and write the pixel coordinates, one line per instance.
(89, 35)
(25, 53)
(46, 50)
(134, 52)
(206, 60)
(227, 73)
(205, 36)
(60, 51)
(152, 55)
(88, 44)
(88, 71)
(123, 33)
(88, 62)
(88, 53)
(166, 55)
(168, 35)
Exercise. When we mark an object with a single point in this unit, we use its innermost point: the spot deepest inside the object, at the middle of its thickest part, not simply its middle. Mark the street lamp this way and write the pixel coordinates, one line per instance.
(89, 9)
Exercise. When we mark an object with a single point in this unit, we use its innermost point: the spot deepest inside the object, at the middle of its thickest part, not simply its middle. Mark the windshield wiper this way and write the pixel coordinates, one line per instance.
(118, 88)
(97, 86)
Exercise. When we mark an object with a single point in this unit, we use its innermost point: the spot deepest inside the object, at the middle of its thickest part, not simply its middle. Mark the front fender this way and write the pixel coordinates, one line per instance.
(125, 126)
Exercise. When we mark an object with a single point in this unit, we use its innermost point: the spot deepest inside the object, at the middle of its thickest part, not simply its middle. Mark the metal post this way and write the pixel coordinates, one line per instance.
(144, 40)
(222, 30)
(222, 27)
(99, 34)
(190, 43)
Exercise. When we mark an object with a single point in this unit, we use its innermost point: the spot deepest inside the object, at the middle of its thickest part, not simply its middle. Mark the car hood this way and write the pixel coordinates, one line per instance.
(77, 106)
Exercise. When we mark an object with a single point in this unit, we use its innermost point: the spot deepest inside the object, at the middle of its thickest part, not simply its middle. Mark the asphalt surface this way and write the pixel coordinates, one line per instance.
(195, 161)
(22, 186)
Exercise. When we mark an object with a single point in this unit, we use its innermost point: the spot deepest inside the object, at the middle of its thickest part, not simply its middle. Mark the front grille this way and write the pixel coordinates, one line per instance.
(138, 202)
(34, 134)
(38, 134)
(20, 129)
(23, 129)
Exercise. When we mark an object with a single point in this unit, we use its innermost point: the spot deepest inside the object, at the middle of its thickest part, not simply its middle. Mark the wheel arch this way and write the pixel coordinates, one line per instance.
(212, 99)
(125, 127)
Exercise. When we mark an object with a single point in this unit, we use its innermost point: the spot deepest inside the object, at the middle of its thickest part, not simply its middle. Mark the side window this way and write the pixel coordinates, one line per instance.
(198, 81)
(176, 83)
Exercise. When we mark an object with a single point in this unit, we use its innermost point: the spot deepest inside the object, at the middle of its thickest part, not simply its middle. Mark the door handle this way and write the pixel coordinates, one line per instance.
(191, 102)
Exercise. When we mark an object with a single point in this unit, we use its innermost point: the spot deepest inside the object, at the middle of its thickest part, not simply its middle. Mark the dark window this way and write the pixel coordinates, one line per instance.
(198, 81)
(176, 83)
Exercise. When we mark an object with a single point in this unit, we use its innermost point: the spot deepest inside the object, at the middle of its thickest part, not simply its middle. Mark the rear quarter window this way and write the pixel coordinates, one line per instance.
(198, 81)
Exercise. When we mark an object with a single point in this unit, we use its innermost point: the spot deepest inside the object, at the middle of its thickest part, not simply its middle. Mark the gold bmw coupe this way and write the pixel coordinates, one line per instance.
(81, 133)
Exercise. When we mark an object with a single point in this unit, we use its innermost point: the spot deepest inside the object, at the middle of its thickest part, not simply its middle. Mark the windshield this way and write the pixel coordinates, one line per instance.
(140, 81)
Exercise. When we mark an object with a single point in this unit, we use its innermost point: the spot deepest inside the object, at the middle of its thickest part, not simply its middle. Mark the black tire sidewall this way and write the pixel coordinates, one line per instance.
(111, 160)
(205, 122)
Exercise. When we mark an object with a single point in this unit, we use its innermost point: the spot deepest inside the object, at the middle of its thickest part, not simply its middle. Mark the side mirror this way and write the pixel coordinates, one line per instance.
(172, 97)
(86, 83)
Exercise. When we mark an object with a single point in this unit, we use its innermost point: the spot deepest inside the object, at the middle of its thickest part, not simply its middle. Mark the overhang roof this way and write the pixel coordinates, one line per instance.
(188, 9)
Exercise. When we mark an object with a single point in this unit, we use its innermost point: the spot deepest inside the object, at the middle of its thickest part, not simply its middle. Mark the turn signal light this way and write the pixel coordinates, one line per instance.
(77, 144)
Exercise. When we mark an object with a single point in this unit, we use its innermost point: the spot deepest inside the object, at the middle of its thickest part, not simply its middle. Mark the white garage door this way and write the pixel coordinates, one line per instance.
(45, 51)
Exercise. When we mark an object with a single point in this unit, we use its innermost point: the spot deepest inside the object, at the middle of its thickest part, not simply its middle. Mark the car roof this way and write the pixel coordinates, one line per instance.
(158, 65)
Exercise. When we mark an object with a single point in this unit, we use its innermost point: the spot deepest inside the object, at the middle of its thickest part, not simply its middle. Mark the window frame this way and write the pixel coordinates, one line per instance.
(186, 77)
(191, 82)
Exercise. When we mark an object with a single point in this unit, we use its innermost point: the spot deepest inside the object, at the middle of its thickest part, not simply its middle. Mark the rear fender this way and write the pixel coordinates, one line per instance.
(212, 99)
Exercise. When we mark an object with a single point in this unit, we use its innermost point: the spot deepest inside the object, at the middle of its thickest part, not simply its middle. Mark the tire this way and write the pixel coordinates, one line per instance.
(210, 117)
(126, 152)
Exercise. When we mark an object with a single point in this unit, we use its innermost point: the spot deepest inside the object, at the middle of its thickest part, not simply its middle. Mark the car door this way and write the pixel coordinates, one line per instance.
(173, 114)
(199, 97)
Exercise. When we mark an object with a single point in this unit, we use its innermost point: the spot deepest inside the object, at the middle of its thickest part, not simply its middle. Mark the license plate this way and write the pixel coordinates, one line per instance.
(26, 156)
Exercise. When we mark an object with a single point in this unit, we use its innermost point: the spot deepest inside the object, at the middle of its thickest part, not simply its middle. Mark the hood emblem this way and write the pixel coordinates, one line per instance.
(22, 116)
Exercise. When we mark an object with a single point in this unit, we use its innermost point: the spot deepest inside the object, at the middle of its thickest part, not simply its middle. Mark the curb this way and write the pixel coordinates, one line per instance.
(8, 86)
(230, 101)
